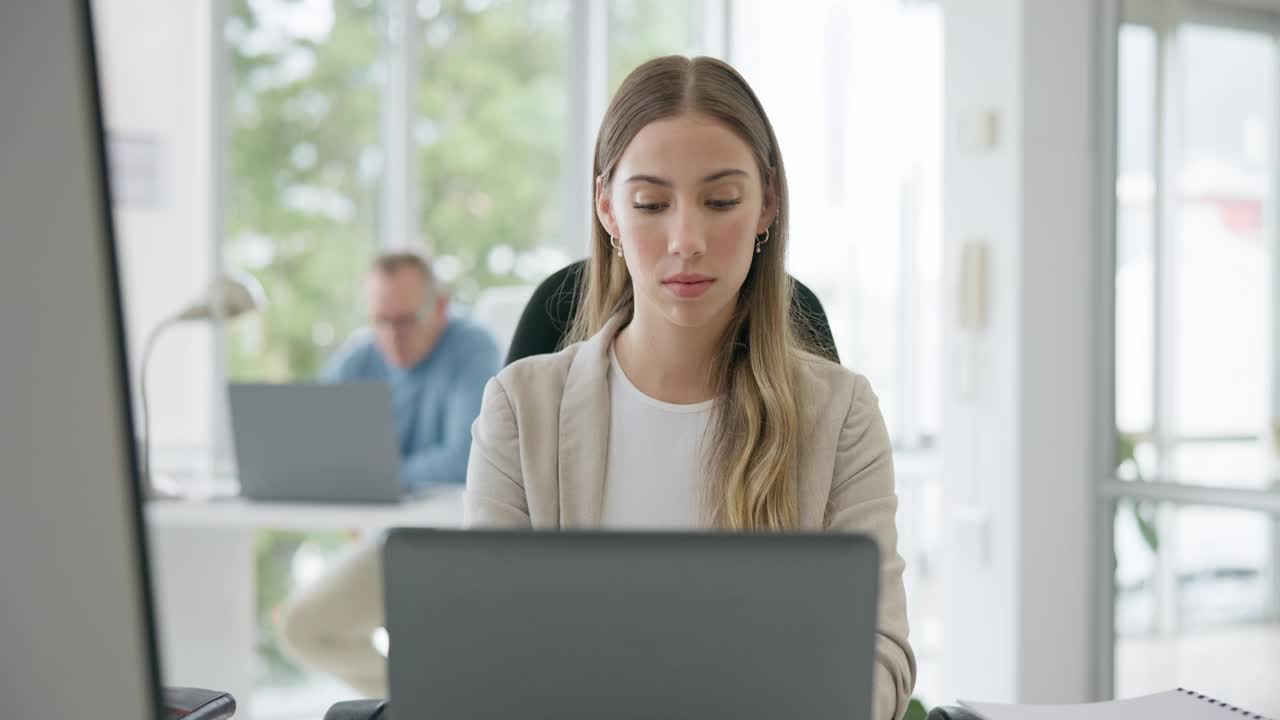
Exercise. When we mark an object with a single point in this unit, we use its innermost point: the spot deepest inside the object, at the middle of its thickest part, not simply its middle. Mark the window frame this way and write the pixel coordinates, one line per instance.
(1163, 19)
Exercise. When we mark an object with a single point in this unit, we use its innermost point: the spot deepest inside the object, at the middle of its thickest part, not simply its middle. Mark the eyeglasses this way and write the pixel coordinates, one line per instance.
(398, 323)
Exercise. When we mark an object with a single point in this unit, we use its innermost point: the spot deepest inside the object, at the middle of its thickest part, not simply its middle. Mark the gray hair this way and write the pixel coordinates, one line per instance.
(392, 261)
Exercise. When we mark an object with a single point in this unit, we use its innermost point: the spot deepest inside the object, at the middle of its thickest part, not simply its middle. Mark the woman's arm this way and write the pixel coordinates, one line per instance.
(863, 500)
(495, 495)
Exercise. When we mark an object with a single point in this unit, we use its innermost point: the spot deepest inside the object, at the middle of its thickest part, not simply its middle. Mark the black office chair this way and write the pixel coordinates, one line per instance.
(359, 710)
(547, 315)
(190, 703)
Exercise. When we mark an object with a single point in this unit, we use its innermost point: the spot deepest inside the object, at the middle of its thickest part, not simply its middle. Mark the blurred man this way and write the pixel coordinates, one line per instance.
(437, 366)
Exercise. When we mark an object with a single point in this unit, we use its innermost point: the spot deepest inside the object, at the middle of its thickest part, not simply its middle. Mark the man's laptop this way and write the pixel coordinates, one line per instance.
(316, 442)
(500, 625)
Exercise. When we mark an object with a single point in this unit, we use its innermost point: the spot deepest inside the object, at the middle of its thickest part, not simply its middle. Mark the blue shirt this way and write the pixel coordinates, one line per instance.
(435, 401)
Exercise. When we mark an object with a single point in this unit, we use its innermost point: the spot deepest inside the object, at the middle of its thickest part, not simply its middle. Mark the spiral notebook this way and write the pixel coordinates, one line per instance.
(1180, 704)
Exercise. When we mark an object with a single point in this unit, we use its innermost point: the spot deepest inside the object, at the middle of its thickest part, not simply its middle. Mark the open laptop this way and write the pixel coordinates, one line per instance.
(316, 442)
(499, 625)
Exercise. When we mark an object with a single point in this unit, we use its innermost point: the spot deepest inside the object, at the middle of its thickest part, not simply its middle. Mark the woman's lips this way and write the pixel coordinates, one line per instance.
(688, 287)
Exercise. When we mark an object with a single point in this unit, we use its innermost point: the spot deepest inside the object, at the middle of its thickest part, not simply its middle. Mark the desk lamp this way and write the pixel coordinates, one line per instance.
(226, 297)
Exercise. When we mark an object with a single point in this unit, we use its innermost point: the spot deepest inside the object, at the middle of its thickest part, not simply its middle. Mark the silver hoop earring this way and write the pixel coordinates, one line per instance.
(760, 243)
(616, 245)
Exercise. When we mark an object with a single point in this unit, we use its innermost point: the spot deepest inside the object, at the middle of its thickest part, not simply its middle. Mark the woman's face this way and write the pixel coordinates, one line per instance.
(686, 202)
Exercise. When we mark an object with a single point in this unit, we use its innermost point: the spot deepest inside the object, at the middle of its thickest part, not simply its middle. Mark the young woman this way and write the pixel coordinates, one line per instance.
(687, 399)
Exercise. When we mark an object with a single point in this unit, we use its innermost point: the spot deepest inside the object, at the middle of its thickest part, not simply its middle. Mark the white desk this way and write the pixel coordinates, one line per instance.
(202, 565)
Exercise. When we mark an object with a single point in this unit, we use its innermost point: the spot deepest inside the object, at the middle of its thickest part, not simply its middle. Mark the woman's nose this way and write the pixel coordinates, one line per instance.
(688, 237)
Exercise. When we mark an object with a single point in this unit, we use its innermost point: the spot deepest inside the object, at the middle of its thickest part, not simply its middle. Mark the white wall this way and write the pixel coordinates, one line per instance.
(1016, 444)
(154, 64)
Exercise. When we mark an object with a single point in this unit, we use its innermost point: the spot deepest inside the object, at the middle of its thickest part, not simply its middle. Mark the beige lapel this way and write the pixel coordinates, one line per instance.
(584, 431)
(814, 395)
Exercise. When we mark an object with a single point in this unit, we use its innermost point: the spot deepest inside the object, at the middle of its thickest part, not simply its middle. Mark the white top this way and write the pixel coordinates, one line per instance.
(653, 476)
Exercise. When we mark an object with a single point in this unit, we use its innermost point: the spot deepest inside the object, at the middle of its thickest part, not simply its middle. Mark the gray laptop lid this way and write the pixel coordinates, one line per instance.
(489, 624)
(315, 442)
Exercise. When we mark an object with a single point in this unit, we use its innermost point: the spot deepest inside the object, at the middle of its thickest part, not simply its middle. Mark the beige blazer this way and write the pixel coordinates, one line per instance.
(538, 455)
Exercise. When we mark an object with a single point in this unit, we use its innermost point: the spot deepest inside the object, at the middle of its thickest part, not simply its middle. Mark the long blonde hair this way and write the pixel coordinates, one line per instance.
(755, 425)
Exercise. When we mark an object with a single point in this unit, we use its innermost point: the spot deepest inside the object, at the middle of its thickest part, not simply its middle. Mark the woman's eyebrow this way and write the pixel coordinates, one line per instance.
(655, 180)
(723, 174)
(649, 179)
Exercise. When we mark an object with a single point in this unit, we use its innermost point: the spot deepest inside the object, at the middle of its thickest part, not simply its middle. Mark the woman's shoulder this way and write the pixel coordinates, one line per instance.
(537, 376)
(829, 384)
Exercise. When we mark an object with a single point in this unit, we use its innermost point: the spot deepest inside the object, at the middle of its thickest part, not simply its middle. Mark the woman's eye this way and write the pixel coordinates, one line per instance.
(649, 207)
(723, 204)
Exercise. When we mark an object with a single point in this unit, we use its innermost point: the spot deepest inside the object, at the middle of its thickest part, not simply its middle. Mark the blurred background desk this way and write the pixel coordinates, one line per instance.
(202, 560)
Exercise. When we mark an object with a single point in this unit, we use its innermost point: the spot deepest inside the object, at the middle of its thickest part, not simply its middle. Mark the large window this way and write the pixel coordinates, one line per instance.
(304, 165)
(437, 124)
(490, 105)
(1196, 592)
(642, 29)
